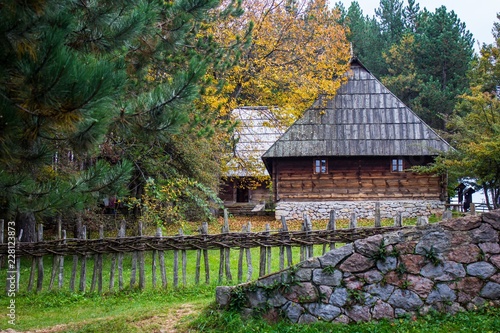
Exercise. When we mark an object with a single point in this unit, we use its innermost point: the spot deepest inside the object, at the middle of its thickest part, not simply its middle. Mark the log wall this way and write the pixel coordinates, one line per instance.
(367, 178)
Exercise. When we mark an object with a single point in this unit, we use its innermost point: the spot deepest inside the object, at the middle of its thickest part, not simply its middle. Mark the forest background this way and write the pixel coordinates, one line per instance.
(131, 99)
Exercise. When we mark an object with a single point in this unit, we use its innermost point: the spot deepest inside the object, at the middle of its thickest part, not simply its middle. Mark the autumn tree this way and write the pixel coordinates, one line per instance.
(298, 50)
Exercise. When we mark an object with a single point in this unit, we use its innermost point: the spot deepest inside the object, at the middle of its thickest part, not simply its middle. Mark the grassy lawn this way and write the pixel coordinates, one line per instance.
(127, 311)
(189, 308)
(192, 310)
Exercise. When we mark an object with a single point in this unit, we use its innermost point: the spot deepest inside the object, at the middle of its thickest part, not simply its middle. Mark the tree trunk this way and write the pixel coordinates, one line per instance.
(26, 222)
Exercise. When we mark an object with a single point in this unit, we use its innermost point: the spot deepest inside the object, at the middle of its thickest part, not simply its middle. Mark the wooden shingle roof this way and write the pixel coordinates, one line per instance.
(257, 130)
(363, 119)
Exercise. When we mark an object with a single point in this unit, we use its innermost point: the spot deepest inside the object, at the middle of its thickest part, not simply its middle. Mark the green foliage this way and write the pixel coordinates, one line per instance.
(422, 57)
(405, 284)
(97, 99)
(329, 269)
(355, 296)
(175, 199)
(238, 298)
(381, 253)
(432, 256)
(401, 270)
(58, 93)
(475, 130)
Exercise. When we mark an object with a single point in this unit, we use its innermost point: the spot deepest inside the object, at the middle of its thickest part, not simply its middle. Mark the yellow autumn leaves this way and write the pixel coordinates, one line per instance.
(297, 51)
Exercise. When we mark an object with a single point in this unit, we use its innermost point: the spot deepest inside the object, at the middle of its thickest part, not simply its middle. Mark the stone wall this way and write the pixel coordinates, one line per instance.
(320, 210)
(449, 266)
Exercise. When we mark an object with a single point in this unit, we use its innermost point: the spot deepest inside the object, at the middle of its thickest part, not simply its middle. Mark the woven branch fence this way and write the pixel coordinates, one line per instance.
(83, 252)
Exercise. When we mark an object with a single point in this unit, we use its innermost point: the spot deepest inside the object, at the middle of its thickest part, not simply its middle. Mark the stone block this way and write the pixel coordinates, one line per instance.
(339, 297)
(485, 234)
(382, 291)
(405, 299)
(491, 291)
(442, 293)
(326, 312)
(334, 257)
(223, 295)
(327, 278)
(356, 263)
(466, 253)
(481, 269)
(359, 313)
(382, 310)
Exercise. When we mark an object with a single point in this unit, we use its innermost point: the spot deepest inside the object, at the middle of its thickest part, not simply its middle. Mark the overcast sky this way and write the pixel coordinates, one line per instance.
(478, 15)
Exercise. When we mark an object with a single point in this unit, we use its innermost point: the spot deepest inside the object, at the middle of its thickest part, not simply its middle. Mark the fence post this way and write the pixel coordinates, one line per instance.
(221, 250)
(97, 272)
(472, 208)
(154, 258)
(83, 267)
(1, 241)
(308, 229)
(249, 256)
(78, 235)
(184, 263)
(287, 248)
(263, 257)
(161, 258)
(422, 221)
(39, 282)
(204, 231)
(61, 263)
(121, 234)
(31, 280)
(142, 275)
(224, 258)
(378, 223)
(18, 261)
(176, 266)
(268, 250)
(240, 258)
(332, 226)
(59, 226)
(55, 265)
(227, 250)
(353, 222)
(398, 220)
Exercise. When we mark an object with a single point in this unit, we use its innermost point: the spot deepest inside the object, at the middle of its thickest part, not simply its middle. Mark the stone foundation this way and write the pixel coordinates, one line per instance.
(362, 209)
(449, 266)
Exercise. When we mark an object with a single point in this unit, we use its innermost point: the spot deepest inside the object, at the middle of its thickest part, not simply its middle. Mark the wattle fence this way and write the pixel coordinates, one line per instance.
(89, 254)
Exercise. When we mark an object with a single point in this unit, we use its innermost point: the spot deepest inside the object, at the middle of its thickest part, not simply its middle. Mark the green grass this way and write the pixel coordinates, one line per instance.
(486, 320)
(157, 310)
(101, 313)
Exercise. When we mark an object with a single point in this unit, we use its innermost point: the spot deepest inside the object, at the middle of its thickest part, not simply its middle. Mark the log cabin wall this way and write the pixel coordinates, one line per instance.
(351, 178)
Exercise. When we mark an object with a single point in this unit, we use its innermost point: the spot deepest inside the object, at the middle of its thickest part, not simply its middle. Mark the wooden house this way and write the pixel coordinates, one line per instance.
(348, 152)
(246, 184)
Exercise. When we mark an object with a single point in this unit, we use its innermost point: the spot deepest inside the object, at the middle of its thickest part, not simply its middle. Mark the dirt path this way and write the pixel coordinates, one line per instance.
(161, 323)
(168, 322)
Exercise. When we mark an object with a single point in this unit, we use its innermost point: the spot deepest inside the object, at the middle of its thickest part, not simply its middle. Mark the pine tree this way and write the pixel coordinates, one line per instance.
(366, 38)
(86, 88)
(443, 56)
(390, 17)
